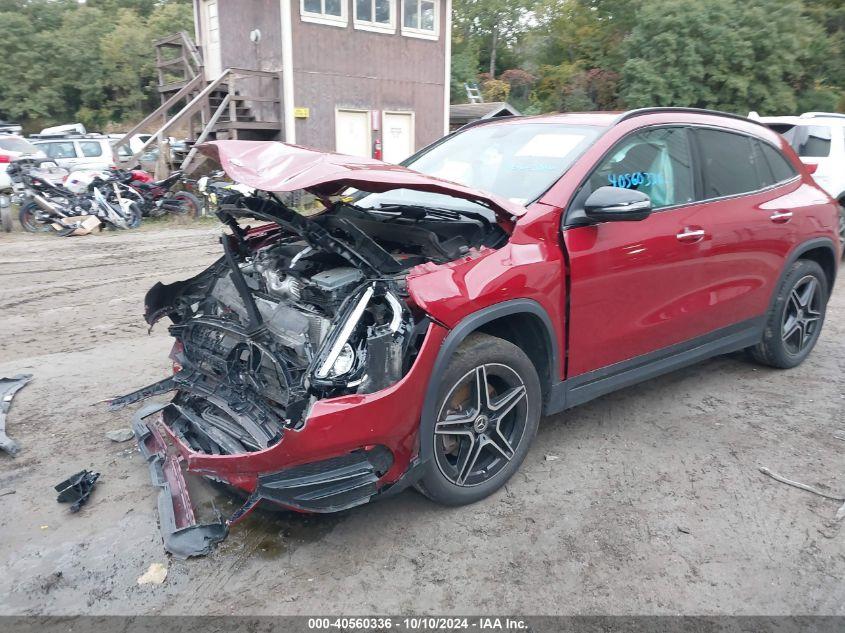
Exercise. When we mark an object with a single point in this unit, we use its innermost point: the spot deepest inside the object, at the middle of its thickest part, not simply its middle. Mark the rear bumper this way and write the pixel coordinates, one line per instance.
(350, 450)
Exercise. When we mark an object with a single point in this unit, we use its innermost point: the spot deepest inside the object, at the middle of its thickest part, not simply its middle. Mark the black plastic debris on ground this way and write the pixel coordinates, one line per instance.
(8, 388)
(77, 489)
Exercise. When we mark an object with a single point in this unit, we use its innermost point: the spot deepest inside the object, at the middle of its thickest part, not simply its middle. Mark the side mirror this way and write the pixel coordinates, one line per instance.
(614, 204)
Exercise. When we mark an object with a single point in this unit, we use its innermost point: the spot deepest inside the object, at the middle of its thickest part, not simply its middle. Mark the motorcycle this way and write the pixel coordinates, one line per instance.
(156, 198)
(215, 187)
(47, 206)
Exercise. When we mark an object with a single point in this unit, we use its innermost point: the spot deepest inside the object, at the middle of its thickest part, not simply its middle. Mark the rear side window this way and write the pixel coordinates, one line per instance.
(90, 149)
(781, 168)
(728, 164)
(657, 162)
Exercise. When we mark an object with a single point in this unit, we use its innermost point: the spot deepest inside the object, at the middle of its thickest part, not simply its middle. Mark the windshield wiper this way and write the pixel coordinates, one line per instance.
(451, 214)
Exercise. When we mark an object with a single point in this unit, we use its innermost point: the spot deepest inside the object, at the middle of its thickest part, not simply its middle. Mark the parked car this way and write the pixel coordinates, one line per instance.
(819, 140)
(13, 146)
(72, 153)
(414, 332)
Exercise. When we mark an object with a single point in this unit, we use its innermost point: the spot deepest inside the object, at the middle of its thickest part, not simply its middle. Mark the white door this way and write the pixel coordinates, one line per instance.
(211, 40)
(352, 132)
(398, 136)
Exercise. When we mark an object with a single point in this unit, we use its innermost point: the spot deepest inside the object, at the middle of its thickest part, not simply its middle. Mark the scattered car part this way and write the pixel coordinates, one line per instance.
(76, 489)
(183, 536)
(8, 388)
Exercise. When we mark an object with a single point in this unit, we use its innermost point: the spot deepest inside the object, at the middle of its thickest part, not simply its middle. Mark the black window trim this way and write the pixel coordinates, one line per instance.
(698, 174)
(719, 128)
(697, 183)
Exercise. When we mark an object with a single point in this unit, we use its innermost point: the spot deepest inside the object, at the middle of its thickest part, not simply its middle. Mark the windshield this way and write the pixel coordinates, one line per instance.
(808, 141)
(516, 161)
(12, 144)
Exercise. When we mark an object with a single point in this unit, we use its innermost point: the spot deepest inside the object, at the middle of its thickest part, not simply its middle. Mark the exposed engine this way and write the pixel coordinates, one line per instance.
(311, 309)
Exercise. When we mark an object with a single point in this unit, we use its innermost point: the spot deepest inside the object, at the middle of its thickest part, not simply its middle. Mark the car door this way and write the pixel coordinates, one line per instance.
(749, 213)
(63, 152)
(636, 287)
(92, 154)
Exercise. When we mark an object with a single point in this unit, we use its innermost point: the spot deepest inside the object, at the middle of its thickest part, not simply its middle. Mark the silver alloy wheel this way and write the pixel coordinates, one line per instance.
(802, 315)
(481, 424)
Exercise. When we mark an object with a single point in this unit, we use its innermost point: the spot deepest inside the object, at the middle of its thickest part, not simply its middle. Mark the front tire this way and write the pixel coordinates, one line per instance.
(795, 321)
(488, 410)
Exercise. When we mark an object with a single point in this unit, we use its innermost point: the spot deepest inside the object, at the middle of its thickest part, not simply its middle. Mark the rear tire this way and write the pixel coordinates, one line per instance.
(27, 216)
(488, 410)
(190, 204)
(795, 320)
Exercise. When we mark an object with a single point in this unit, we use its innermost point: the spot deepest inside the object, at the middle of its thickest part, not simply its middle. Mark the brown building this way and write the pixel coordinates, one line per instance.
(351, 74)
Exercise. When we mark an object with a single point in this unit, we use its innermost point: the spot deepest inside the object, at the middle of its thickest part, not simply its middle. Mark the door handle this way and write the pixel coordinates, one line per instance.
(781, 217)
(690, 235)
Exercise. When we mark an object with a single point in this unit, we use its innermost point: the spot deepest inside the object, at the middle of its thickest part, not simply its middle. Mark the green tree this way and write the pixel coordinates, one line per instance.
(718, 54)
(92, 63)
(493, 23)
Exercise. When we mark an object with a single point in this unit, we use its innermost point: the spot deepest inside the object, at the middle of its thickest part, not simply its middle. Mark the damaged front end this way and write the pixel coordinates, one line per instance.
(303, 321)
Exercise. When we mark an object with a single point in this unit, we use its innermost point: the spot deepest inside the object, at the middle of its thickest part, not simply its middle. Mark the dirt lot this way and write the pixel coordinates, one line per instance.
(653, 502)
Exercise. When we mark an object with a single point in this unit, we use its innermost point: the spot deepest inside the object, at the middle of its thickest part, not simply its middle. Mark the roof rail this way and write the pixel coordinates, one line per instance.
(832, 115)
(656, 110)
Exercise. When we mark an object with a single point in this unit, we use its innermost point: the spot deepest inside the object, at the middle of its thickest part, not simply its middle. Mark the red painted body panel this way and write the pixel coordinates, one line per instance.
(279, 167)
(336, 426)
(635, 288)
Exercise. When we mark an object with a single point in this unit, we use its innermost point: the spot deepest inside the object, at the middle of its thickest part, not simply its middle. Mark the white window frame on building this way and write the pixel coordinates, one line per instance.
(322, 17)
(416, 31)
(372, 25)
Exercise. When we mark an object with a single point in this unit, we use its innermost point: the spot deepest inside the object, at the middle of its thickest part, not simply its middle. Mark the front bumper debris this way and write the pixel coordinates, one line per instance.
(329, 485)
(8, 388)
(183, 536)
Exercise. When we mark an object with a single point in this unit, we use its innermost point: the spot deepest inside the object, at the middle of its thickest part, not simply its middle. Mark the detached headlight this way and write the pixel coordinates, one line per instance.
(202, 184)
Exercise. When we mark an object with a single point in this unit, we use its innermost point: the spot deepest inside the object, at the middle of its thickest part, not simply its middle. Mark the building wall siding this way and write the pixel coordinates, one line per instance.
(237, 20)
(336, 67)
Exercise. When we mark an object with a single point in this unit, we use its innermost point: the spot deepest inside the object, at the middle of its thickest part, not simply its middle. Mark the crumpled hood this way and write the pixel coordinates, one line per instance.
(280, 167)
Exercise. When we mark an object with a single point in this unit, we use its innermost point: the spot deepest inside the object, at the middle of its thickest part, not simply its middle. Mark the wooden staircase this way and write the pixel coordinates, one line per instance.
(240, 103)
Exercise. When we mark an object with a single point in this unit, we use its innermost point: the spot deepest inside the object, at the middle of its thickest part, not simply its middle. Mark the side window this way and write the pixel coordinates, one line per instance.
(657, 162)
(727, 164)
(90, 149)
(59, 150)
(765, 177)
(781, 168)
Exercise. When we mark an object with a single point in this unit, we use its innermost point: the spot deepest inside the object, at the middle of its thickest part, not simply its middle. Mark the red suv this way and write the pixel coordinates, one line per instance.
(413, 331)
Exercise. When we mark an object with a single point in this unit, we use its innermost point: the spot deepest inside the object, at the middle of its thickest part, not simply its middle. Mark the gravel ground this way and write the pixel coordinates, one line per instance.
(648, 501)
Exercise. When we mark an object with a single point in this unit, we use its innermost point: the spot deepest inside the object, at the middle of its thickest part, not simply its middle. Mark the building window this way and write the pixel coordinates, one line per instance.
(331, 12)
(420, 18)
(374, 15)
